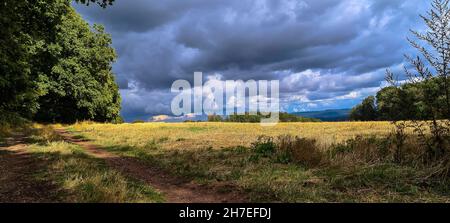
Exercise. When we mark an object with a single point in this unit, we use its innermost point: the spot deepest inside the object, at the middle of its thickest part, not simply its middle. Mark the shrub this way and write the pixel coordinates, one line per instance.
(299, 150)
(264, 146)
(288, 149)
(362, 150)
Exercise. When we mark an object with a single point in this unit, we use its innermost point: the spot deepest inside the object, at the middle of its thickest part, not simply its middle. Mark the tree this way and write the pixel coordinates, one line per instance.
(399, 103)
(53, 64)
(215, 118)
(430, 76)
(80, 84)
(102, 3)
(27, 26)
(366, 111)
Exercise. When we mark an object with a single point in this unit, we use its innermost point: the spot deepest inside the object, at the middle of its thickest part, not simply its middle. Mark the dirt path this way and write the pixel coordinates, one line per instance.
(175, 190)
(18, 183)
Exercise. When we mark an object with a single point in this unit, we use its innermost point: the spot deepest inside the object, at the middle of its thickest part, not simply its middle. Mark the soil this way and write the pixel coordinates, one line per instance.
(18, 180)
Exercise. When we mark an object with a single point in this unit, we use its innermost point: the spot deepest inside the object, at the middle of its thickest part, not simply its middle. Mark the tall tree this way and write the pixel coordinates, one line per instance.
(430, 74)
(41, 42)
(80, 84)
(27, 26)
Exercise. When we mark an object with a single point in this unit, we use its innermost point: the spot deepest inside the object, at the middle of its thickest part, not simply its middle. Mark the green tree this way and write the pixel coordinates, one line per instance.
(399, 103)
(366, 111)
(215, 118)
(102, 3)
(430, 74)
(27, 26)
(53, 64)
(80, 85)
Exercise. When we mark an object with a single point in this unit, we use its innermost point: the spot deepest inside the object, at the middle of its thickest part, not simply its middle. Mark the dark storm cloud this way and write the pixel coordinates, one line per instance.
(323, 49)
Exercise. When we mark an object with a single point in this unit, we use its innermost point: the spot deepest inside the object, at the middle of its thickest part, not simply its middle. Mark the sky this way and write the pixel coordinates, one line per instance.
(327, 54)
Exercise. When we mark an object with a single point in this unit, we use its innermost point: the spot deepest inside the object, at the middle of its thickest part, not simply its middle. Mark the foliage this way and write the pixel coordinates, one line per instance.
(264, 146)
(102, 3)
(366, 111)
(54, 65)
(27, 27)
(256, 118)
(80, 84)
(402, 102)
(215, 118)
(286, 117)
(430, 75)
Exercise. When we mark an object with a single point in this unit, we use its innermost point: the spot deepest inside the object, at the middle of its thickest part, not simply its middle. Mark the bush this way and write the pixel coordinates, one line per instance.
(264, 146)
(362, 150)
(299, 150)
(288, 149)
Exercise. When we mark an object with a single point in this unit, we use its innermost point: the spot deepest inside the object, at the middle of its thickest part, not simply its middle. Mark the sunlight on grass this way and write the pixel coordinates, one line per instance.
(86, 179)
(224, 152)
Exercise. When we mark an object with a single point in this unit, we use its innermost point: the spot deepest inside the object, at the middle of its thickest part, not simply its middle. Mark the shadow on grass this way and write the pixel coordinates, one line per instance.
(47, 169)
(266, 180)
(89, 179)
(19, 182)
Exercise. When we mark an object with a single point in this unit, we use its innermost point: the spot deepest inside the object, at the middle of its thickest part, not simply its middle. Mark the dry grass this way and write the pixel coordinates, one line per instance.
(225, 135)
(317, 162)
(80, 177)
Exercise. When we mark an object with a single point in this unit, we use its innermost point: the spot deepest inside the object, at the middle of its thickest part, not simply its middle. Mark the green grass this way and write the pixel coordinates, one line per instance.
(85, 179)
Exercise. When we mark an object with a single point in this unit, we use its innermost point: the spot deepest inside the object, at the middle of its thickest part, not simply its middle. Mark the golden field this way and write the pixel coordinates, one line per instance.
(347, 162)
(224, 135)
(327, 162)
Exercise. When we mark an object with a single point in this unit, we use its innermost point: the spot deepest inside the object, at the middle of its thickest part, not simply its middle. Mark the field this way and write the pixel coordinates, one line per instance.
(222, 152)
(157, 162)
(191, 136)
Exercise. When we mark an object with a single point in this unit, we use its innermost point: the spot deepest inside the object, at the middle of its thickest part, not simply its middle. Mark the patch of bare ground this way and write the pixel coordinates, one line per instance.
(18, 182)
(175, 190)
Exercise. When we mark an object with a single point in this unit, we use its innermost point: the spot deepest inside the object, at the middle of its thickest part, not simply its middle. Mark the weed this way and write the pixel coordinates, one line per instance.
(264, 146)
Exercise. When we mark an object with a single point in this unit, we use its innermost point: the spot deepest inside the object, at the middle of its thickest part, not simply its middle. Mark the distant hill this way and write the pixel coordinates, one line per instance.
(327, 115)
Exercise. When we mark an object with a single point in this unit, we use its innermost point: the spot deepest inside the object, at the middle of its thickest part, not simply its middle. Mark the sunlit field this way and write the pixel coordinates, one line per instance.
(191, 136)
(329, 162)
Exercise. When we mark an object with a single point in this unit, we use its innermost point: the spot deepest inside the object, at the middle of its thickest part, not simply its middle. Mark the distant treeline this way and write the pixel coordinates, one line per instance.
(249, 118)
(405, 102)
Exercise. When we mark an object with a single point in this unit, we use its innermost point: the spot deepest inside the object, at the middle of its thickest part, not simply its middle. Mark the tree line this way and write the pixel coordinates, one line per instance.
(54, 66)
(256, 118)
(409, 101)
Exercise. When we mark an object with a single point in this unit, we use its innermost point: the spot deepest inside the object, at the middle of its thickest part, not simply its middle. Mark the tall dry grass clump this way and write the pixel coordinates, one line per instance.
(300, 150)
(289, 149)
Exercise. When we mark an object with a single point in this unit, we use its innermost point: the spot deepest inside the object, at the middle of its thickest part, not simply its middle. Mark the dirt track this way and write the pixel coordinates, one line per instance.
(175, 190)
(18, 183)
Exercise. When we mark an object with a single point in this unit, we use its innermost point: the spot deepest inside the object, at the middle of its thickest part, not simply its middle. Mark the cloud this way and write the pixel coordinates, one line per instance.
(320, 50)
(160, 118)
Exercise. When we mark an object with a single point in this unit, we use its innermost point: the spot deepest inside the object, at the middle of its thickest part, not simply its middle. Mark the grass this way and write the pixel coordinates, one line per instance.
(80, 177)
(330, 162)
(225, 135)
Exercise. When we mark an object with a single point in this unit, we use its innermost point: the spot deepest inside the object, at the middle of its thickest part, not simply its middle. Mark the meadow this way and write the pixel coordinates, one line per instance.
(292, 162)
(191, 136)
